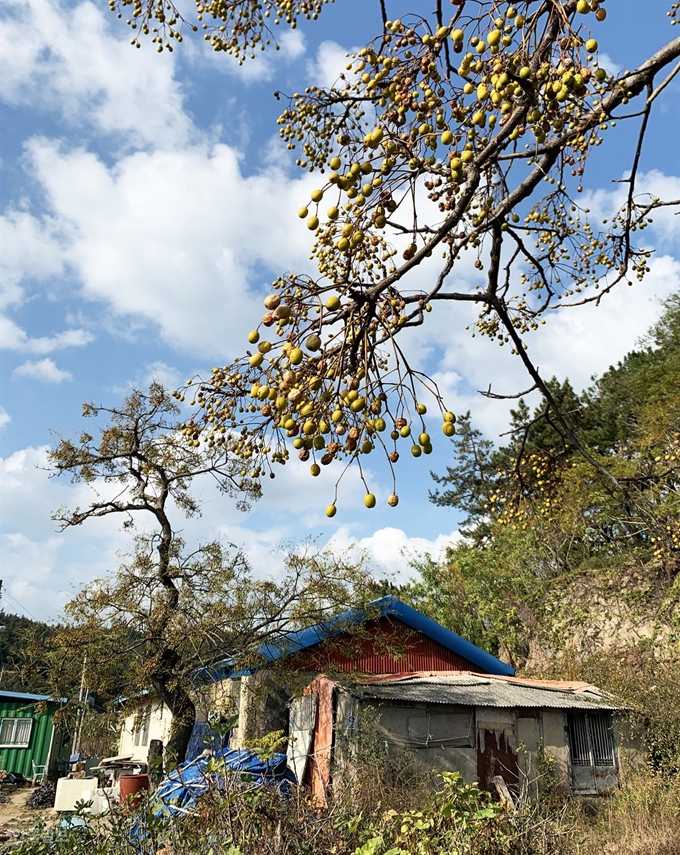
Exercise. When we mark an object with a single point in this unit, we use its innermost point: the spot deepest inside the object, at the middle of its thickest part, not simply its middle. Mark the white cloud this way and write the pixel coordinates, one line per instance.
(176, 238)
(391, 550)
(5, 418)
(260, 67)
(606, 202)
(12, 337)
(31, 248)
(44, 370)
(329, 62)
(60, 58)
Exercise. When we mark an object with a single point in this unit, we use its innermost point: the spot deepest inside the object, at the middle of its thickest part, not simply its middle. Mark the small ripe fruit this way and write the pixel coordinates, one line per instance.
(448, 429)
(449, 417)
(393, 500)
(591, 45)
(424, 439)
(583, 7)
(447, 138)
(314, 469)
(256, 360)
(333, 213)
(317, 195)
(457, 35)
(405, 431)
(253, 336)
(421, 409)
(264, 346)
(313, 342)
(416, 450)
(295, 356)
(302, 213)
(272, 301)
(313, 224)
(331, 511)
(334, 163)
(332, 303)
(369, 500)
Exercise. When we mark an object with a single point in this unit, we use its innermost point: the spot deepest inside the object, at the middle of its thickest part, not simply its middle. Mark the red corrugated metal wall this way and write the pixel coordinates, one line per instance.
(385, 646)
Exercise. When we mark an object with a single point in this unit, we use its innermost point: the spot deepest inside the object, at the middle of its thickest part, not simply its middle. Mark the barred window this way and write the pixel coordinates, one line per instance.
(591, 739)
(15, 732)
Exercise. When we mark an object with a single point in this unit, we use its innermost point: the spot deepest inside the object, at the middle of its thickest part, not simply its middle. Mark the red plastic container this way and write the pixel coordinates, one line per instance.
(132, 787)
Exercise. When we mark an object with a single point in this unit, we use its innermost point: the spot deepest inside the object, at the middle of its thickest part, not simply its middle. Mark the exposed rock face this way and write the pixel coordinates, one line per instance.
(602, 610)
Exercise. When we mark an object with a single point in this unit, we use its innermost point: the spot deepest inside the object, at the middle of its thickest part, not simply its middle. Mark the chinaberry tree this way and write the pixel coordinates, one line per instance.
(169, 609)
(460, 135)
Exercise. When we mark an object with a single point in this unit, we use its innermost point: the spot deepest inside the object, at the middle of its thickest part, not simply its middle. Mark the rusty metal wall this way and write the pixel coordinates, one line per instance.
(386, 646)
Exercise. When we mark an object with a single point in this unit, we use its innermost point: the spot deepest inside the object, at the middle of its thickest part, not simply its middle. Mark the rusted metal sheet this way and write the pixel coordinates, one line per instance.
(385, 646)
(497, 749)
(321, 751)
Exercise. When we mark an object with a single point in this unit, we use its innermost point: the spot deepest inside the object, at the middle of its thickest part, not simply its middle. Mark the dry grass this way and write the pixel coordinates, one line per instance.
(642, 819)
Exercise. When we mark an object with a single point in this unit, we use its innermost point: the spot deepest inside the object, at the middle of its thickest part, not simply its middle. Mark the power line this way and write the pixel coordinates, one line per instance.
(9, 596)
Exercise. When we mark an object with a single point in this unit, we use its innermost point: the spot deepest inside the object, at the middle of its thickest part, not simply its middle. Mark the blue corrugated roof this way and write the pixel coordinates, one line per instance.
(23, 696)
(390, 606)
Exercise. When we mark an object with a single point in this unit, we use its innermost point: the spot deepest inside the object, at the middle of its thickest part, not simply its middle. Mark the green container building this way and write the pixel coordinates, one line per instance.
(28, 737)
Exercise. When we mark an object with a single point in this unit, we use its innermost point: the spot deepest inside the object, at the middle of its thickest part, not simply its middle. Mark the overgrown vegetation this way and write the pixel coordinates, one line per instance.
(537, 520)
(238, 819)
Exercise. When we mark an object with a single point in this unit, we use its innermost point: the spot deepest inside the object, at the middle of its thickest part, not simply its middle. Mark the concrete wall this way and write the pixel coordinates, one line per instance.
(555, 745)
(159, 721)
(528, 724)
(440, 738)
(414, 729)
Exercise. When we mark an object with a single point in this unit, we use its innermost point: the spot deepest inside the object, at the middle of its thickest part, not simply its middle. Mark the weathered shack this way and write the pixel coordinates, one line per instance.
(389, 637)
(480, 725)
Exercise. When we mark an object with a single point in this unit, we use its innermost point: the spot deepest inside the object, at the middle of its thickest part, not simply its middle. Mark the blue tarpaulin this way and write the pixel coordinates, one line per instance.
(181, 789)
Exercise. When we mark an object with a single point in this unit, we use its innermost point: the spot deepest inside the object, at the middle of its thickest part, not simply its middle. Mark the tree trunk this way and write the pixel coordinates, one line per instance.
(183, 712)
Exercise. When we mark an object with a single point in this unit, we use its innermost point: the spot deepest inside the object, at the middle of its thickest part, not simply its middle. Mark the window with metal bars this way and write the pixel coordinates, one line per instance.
(15, 732)
(591, 739)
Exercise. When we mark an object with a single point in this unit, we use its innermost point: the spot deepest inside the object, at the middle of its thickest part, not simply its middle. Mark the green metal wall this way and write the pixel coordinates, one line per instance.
(19, 759)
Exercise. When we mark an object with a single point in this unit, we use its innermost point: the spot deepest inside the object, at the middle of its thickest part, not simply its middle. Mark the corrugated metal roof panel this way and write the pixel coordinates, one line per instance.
(467, 690)
(390, 648)
(23, 696)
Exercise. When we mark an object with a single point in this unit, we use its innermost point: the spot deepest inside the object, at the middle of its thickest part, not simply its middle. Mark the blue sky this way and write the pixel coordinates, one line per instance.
(145, 204)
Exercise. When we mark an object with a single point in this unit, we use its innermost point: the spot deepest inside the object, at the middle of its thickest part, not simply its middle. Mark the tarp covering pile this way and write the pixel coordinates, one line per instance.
(180, 791)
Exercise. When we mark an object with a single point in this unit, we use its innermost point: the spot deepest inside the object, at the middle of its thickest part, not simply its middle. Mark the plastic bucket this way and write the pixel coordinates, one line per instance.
(132, 787)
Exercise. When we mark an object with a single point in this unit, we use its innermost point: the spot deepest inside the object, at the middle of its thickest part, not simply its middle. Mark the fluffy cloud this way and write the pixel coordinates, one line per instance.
(12, 337)
(55, 57)
(5, 418)
(175, 238)
(391, 551)
(258, 68)
(44, 370)
(328, 64)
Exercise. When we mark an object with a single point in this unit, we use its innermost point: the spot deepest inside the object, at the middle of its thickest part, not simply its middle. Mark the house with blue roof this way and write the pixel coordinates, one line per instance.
(454, 705)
